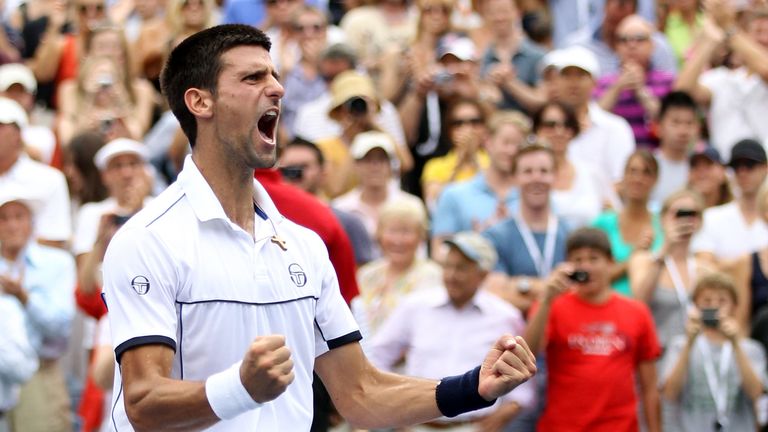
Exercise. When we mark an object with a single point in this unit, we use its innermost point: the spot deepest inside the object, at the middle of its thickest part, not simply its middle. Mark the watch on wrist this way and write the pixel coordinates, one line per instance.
(523, 285)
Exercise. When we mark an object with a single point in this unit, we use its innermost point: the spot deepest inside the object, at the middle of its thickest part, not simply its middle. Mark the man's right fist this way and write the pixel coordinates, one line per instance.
(267, 368)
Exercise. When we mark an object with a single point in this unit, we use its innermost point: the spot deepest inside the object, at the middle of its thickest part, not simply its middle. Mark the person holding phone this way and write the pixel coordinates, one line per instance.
(714, 372)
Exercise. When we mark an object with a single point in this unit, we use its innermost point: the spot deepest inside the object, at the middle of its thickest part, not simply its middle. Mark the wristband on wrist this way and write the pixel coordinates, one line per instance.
(458, 394)
(227, 395)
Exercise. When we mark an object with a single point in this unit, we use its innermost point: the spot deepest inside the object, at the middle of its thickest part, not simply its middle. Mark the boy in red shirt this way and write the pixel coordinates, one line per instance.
(598, 345)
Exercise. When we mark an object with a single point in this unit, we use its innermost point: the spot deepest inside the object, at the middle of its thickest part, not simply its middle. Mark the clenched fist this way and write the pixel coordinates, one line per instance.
(267, 368)
(509, 364)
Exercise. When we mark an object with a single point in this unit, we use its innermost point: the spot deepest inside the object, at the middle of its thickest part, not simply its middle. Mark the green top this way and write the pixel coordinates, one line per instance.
(608, 221)
(680, 35)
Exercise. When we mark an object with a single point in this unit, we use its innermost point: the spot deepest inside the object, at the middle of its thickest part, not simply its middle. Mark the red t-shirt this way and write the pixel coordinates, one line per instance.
(592, 354)
(310, 212)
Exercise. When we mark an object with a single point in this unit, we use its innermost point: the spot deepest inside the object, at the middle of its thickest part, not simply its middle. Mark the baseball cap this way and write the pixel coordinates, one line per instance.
(748, 149)
(707, 152)
(367, 141)
(116, 147)
(17, 194)
(17, 73)
(475, 247)
(457, 45)
(350, 84)
(579, 57)
(12, 113)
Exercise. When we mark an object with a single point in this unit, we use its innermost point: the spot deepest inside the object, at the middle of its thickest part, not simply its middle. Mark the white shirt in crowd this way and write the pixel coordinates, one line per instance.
(738, 109)
(180, 273)
(726, 234)
(585, 200)
(673, 176)
(18, 359)
(607, 143)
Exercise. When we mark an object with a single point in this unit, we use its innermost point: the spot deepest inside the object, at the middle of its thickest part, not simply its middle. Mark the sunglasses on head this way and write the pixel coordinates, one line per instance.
(474, 121)
(634, 38)
(83, 8)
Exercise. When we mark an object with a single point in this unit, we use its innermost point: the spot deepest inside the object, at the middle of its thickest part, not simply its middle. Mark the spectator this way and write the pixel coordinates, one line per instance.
(457, 311)
(680, 26)
(83, 178)
(41, 279)
(737, 97)
(579, 191)
(678, 129)
(603, 40)
(53, 225)
(706, 175)
(595, 339)
(712, 371)
(490, 196)
(19, 84)
(634, 92)
(467, 132)
(509, 59)
(302, 165)
(635, 227)
(736, 229)
(150, 42)
(187, 17)
(664, 280)
(278, 26)
(374, 154)
(606, 140)
(531, 242)
(383, 283)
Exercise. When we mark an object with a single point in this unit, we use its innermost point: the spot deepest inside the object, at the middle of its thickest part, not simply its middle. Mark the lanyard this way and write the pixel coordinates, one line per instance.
(543, 263)
(677, 281)
(718, 386)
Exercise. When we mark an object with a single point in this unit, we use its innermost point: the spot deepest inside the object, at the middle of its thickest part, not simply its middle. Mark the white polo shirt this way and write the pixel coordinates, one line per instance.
(606, 145)
(180, 273)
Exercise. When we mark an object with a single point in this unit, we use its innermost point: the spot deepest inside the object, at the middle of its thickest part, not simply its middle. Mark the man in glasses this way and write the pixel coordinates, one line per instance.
(737, 228)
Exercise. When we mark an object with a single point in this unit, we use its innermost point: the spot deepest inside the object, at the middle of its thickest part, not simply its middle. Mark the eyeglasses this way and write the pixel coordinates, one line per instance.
(634, 38)
(85, 8)
(474, 121)
(552, 124)
(443, 9)
(309, 28)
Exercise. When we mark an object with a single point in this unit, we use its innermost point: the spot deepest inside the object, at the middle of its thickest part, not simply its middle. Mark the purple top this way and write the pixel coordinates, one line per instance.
(659, 83)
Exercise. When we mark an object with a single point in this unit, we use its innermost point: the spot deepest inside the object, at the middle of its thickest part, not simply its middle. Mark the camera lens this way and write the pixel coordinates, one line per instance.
(357, 106)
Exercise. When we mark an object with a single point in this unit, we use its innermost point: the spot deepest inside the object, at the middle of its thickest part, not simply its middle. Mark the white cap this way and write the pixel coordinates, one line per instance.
(17, 194)
(17, 73)
(116, 147)
(367, 141)
(12, 113)
(475, 247)
(580, 57)
(458, 45)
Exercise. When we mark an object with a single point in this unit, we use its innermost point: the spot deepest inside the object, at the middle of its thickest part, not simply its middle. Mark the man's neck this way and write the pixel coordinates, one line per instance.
(535, 217)
(6, 163)
(508, 42)
(673, 153)
(500, 182)
(374, 195)
(597, 298)
(10, 253)
(748, 207)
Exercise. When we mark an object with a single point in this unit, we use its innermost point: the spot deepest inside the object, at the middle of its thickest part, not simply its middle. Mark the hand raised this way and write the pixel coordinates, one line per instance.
(508, 364)
(267, 368)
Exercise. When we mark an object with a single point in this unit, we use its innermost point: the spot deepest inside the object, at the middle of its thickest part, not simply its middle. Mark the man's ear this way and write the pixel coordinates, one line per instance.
(199, 102)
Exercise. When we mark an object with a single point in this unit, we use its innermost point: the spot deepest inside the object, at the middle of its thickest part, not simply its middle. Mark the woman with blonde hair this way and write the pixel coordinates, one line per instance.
(401, 231)
(187, 17)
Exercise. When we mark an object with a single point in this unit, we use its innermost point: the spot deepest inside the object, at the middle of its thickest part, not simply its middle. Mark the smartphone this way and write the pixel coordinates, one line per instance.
(683, 213)
(579, 276)
(106, 125)
(709, 317)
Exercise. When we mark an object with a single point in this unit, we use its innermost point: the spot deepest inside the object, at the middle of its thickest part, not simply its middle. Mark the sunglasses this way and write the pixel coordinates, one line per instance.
(85, 8)
(474, 121)
(311, 28)
(293, 172)
(274, 2)
(552, 124)
(684, 213)
(634, 38)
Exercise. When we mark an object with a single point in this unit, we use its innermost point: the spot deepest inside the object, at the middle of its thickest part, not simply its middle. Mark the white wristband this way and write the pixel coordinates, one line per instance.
(227, 395)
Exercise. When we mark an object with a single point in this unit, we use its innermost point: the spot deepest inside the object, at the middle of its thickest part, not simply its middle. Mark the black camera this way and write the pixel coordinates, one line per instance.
(356, 106)
(120, 220)
(292, 172)
(579, 276)
(709, 317)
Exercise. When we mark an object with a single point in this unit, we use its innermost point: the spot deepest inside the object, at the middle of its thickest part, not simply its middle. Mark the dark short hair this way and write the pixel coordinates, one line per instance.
(676, 99)
(196, 63)
(531, 147)
(718, 282)
(571, 121)
(301, 142)
(588, 238)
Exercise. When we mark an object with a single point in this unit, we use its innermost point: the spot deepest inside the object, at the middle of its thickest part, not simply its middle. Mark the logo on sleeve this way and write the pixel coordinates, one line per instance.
(140, 284)
(297, 275)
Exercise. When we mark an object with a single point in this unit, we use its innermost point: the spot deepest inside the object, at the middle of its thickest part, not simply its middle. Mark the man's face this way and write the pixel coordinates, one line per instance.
(758, 30)
(281, 11)
(15, 225)
(247, 106)
(597, 264)
(575, 86)
(18, 93)
(123, 175)
(534, 175)
(678, 128)
(374, 169)
(10, 141)
(500, 15)
(634, 42)
(502, 147)
(749, 175)
(310, 30)
(330, 67)
(461, 276)
(711, 298)
(463, 75)
(305, 160)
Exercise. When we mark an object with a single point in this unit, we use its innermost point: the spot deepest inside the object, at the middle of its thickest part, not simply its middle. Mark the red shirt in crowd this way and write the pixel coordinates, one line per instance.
(309, 212)
(593, 351)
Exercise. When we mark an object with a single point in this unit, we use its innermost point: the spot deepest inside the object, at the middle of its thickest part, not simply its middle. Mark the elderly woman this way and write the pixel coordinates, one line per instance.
(402, 229)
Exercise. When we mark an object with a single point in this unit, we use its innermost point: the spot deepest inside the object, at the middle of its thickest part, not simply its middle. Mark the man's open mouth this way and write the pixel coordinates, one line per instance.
(268, 125)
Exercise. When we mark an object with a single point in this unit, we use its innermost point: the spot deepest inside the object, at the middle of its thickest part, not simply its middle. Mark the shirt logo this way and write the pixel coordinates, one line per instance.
(140, 284)
(297, 275)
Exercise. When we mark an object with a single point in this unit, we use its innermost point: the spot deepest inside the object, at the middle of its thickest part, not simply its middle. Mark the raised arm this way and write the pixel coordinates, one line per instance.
(535, 333)
(706, 44)
(644, 269)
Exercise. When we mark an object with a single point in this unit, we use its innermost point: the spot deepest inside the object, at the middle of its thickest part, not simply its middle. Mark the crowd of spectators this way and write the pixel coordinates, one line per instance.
(589, 174)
